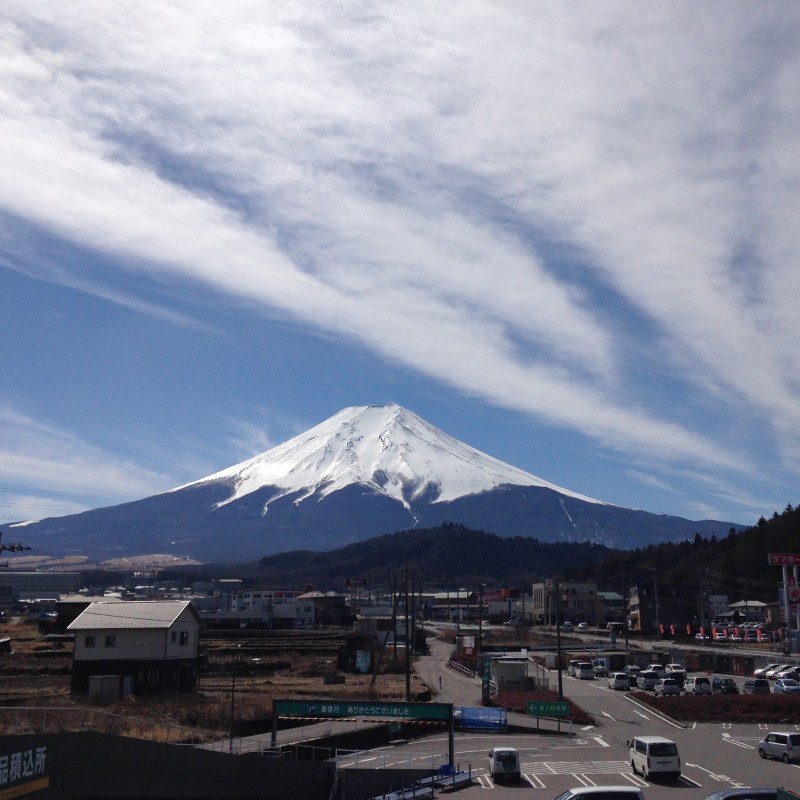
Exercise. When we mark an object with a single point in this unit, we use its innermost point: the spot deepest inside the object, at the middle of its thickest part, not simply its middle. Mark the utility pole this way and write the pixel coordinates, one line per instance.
(408, 643)
(480, 615)
(233, 695)
(558, 642)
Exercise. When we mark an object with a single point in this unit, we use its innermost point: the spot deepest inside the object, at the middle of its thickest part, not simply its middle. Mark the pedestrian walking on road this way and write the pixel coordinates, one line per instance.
(440, 682)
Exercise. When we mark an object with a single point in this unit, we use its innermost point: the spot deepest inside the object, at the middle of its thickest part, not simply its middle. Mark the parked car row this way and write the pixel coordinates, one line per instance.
(778, 671)
(671, 679)
(719, 684)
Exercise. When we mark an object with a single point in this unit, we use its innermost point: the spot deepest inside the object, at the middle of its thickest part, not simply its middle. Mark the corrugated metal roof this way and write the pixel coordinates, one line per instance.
(132, 614)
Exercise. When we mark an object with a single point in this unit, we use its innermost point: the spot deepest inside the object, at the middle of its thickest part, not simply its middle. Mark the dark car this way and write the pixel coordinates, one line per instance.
(724, 685)
(743, 794)
(756, 686)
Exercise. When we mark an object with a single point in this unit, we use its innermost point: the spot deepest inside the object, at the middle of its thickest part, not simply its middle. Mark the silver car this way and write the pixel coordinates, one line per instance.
(786, 686)
(783, 745)
(603, 793)
(619, 680)
(665, 686)
(697, 685)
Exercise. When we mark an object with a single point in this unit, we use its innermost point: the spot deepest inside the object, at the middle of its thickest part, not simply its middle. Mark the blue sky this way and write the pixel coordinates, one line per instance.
(563, 233)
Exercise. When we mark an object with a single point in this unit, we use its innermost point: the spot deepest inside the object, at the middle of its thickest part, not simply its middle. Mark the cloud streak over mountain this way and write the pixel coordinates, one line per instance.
(575, 221)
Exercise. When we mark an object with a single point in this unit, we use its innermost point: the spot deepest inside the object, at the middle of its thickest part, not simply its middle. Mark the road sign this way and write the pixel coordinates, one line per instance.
(331, 709)
(783, 559)
(548, 708)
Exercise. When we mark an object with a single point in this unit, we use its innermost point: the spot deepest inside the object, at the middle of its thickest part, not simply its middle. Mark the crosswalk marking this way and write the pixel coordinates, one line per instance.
(534, 772)
(574, 767)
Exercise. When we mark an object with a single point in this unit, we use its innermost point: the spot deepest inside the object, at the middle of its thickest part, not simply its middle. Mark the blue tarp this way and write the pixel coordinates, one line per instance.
(480, 718)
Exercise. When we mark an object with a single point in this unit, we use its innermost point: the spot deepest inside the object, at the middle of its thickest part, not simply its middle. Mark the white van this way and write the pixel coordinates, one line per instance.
(504, 764)
(654, 755)
(584, 670)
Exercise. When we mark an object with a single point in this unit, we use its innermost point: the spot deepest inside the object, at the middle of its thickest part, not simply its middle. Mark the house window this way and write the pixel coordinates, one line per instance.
(111, 640)
(152, 676)
(89, 641)
(184, 638)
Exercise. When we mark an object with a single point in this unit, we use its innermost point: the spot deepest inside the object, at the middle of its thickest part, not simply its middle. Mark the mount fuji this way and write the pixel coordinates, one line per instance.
(367, 470)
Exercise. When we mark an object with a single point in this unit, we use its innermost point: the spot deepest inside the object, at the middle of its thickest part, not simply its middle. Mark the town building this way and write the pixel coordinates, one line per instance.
(144, 647)
(661, 609)
(571, 601)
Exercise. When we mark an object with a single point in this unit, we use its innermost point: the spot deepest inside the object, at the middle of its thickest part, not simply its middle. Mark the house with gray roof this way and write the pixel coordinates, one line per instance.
(150, 646)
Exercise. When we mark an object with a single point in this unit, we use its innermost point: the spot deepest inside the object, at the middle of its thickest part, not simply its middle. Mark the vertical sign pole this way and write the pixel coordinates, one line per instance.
(451, 737)
(786, 596)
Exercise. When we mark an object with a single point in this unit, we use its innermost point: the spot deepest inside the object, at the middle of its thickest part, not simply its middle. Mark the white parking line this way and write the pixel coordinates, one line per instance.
(534, 780)
(635, 780)
(726, 737)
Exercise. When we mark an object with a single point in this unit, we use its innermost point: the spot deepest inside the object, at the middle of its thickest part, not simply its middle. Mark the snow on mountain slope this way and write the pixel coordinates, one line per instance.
(387, 448)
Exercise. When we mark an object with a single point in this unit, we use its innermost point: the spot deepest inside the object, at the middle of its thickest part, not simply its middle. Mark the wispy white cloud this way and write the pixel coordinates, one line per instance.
(585, 213)
(46, 471)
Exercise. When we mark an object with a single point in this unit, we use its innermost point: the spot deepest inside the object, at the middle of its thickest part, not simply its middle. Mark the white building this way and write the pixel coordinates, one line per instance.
(150, 646)
(263, 608)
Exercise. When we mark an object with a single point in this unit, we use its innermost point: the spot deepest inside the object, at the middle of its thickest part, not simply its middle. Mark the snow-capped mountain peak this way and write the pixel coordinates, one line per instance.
(386, 448)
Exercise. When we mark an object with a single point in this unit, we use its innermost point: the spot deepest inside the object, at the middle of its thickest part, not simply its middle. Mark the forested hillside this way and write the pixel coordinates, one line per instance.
(736, 564)
(453, 555)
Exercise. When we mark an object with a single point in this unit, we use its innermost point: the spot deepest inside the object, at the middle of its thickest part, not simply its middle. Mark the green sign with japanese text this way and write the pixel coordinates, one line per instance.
(548, 708)
(327, 709)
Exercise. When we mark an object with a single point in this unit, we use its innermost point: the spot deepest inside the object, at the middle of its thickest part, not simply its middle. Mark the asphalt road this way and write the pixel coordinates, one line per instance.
(713, 756)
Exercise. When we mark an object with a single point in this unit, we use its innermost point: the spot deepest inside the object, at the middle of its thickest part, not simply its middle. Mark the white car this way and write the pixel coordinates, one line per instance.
(785, 746)
(771, 674)
(698, 684)
(761, 672)
(583, 626)
(619, 680)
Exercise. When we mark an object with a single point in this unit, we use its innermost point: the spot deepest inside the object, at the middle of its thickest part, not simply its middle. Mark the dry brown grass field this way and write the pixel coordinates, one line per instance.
(35, 696)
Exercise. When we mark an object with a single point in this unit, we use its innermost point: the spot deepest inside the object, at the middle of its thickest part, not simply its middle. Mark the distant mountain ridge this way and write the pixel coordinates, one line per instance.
(366, 471)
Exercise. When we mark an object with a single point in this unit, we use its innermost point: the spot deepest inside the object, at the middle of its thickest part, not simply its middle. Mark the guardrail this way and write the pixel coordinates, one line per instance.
(462, 669)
